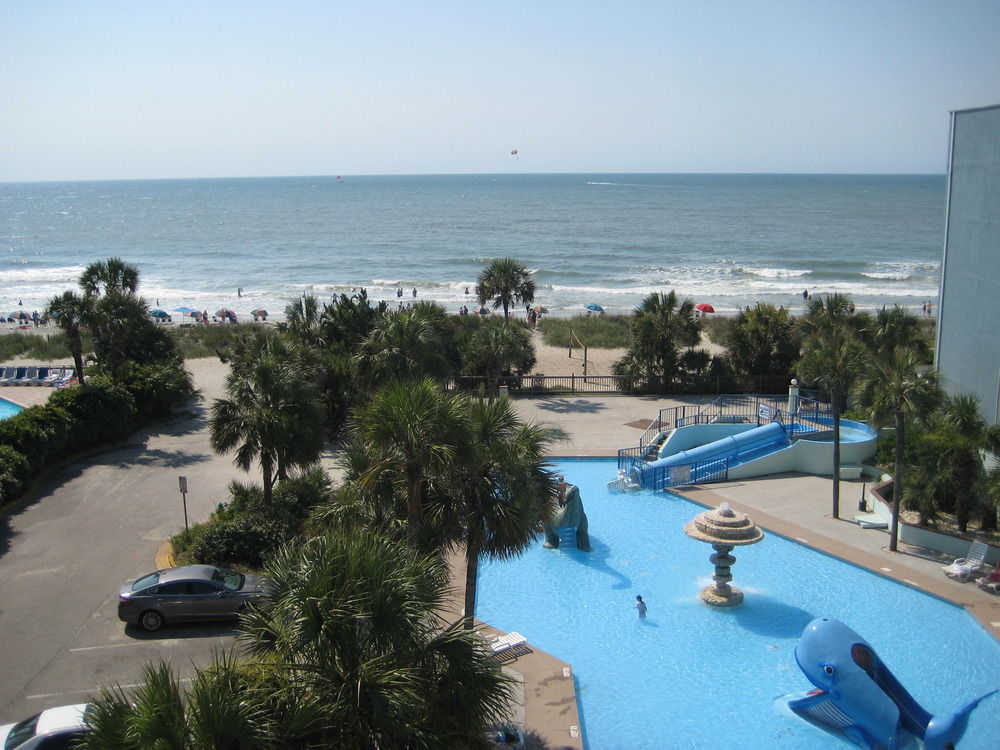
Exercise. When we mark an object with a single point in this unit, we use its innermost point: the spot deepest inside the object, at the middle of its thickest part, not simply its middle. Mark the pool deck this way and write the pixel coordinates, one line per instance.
(797, 506)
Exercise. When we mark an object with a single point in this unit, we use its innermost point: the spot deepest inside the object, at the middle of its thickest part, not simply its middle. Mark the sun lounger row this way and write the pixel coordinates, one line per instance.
(46, 376)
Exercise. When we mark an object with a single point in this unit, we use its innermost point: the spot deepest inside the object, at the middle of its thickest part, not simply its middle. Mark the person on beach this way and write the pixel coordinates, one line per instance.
(640, 606)
(414, 291)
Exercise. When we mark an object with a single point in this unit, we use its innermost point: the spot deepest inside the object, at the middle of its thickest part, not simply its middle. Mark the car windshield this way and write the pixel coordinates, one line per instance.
(141, 583)
(228, 578)
(21, 732)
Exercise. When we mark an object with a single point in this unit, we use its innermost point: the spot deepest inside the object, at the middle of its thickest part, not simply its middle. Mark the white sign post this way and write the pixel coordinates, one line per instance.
(183, 482)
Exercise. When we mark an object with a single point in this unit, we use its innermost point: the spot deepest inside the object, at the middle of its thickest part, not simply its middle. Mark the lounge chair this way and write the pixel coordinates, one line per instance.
(54, 374)
(991, 581)
(43, 372)
(966, 567)
(30, 374)
(5, 374)
(67, 377)
(504, 642)
(13, 375)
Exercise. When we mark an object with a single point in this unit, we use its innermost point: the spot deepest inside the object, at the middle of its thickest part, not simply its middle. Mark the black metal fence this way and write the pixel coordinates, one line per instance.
(535, 385)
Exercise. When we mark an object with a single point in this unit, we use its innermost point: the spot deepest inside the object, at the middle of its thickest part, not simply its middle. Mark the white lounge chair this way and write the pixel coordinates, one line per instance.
(30, 374)
(966, 567)
(991, 581)
(54, 374)
(504, 642)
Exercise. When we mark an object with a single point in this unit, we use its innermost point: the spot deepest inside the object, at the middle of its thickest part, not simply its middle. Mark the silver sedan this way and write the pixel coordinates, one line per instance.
(185, 594)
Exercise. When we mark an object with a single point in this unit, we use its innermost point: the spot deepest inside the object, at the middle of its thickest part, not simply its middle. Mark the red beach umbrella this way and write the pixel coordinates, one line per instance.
(704, 307)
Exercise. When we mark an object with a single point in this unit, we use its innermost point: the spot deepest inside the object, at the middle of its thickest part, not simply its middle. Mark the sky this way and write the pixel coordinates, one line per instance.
(124, 90)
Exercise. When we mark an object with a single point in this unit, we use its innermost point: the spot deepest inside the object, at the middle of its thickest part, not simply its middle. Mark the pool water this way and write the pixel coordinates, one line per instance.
(693, 677)
(8, 409)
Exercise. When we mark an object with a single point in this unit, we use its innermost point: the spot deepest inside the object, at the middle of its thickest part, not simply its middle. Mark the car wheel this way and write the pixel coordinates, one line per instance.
(151, 620)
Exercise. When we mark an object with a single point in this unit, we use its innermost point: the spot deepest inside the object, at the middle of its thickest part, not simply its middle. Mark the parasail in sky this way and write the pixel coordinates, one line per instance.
(513, 152)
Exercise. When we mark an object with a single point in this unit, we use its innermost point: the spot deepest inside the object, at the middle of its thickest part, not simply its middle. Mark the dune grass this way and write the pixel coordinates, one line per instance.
(49, 345)
(597, 331)
(205, 341)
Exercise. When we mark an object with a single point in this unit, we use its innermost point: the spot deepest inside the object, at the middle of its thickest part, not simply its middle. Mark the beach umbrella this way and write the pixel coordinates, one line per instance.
(594, 308)
(159, 313)
(704, 307)
(185, 310)
(483, 310)
(541, 309)
(20, 315)
(225, 312)
(259, 311)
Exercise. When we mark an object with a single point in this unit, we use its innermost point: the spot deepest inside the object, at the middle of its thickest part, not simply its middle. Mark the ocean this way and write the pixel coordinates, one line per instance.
(610, 240)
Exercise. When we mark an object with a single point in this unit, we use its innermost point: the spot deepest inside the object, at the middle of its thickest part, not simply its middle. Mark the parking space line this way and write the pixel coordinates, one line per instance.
(130, 686)
(107, 645)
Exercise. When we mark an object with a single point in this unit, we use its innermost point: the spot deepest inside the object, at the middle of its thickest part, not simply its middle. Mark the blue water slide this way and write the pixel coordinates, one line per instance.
(736, 448)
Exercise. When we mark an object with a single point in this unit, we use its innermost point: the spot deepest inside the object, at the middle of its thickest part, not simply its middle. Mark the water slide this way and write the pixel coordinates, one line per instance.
(708, 459)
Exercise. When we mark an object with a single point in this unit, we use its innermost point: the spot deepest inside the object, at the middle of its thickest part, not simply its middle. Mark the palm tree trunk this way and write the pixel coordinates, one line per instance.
(267, 467)
(897, 484)
(76, 348)
(471, 583)
(836, 455)
(413, 508)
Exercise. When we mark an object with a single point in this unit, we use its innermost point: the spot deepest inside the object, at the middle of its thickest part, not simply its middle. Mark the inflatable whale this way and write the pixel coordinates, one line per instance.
(858, 699)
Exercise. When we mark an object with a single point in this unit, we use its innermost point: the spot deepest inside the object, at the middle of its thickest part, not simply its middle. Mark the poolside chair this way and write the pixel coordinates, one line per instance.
(5, 374)
(30, 374)
(504, 642)
(13, 375)
(966, 567)
(67, 377)
(991, 581)
(43, 372)
(54, 374)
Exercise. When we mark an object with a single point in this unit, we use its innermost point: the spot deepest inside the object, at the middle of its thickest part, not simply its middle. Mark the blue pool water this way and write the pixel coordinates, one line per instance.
(694, 677)
(8, 409)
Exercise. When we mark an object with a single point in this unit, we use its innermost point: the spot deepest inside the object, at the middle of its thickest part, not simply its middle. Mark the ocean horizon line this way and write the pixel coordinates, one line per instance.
(343, 175)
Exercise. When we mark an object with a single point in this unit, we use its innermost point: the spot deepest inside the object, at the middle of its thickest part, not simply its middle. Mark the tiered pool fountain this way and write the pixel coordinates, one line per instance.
(724, 529)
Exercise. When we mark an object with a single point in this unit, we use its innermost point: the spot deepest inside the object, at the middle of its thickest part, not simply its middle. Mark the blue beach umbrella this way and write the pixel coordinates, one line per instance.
(594, 308)
(159, 313)
(185, 310)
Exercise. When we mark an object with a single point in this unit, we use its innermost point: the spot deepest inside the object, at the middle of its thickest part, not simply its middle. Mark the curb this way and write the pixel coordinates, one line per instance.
(165, 556)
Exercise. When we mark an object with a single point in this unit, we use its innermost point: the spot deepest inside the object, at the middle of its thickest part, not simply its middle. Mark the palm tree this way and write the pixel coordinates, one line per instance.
(832, 358)
(273, 413)
(505, 281)
(762, 340)
(496, 348)
(405, 345)
(118, 318)
(505, 488)
(111, 276)
(353, 621)
(660, 327)
(71, 313)
(894, 328)
(412, 431)
(219, 711)
(304, 318)
(894, 387)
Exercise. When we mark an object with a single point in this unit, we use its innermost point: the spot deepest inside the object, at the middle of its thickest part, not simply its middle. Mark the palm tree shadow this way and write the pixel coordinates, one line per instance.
(183, 631)
(567, 406)
(597, 558)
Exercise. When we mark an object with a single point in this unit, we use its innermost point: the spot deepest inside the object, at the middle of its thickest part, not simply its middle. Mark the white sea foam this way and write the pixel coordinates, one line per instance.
(776, 273)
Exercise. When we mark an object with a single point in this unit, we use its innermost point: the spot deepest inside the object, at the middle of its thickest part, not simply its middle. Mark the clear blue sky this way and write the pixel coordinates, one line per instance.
(212, 88)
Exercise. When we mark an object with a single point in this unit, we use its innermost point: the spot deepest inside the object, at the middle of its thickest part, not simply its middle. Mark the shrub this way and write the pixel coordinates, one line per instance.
(244, 540)
(101, 412)
(13, 471)
(157, 387)
(41, 433)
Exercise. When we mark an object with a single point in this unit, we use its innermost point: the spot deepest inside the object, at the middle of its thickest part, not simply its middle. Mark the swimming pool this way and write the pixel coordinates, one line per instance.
(694, 677)
(8, 408)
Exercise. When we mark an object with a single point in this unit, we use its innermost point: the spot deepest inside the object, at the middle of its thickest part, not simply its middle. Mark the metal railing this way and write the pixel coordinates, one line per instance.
(557, 385)
(809, 414)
